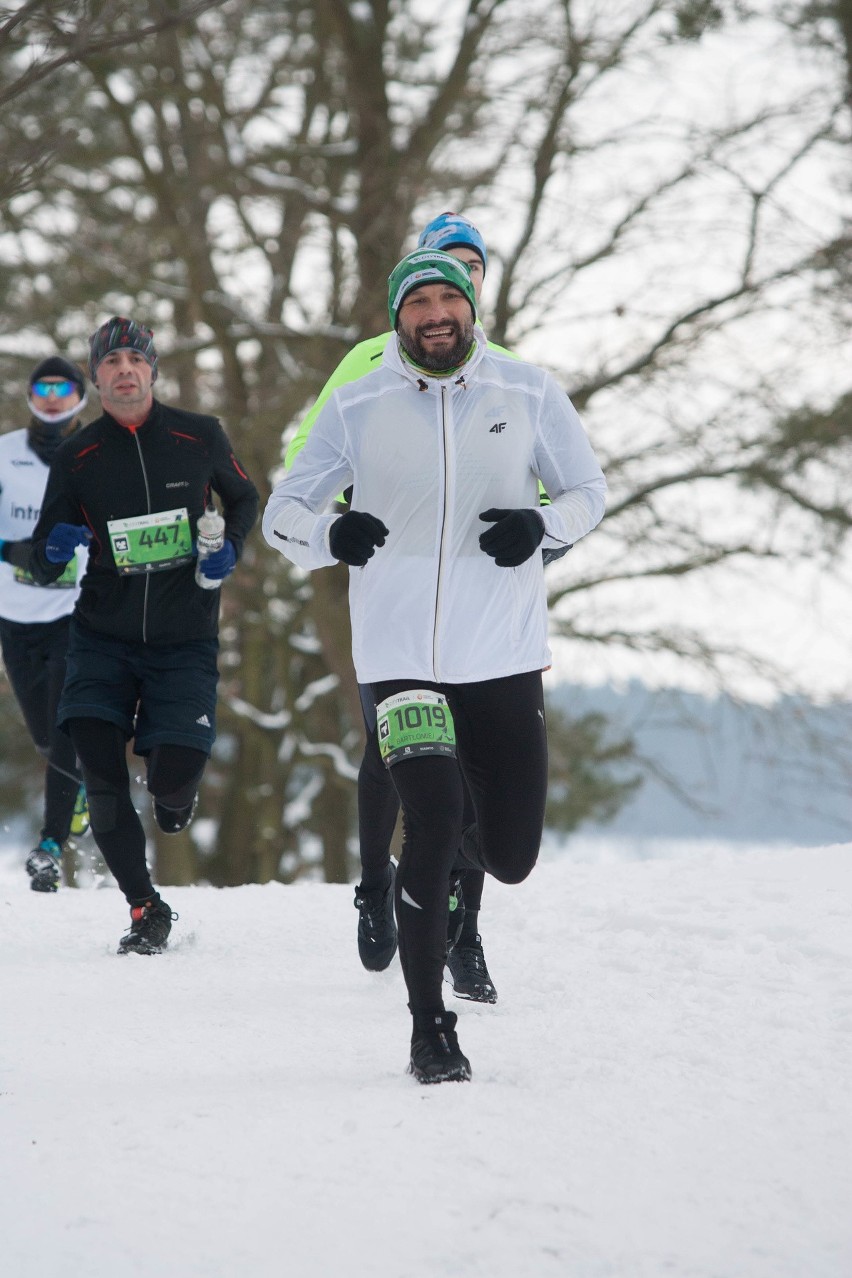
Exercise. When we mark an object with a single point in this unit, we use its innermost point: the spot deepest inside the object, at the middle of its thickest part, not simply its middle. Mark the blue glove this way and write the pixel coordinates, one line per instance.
(63, 540)
(221, 563)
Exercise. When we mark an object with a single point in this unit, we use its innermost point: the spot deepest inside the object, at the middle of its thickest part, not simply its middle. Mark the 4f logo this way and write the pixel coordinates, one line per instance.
(497, 428)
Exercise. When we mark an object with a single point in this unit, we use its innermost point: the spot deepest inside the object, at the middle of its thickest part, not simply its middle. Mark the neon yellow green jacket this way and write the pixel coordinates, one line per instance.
(362, 359)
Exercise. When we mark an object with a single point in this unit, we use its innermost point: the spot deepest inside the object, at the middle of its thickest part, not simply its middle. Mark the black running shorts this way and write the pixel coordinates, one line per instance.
(159, 694)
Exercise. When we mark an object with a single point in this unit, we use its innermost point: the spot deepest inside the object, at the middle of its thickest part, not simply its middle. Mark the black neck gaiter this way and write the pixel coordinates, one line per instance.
(45, 437)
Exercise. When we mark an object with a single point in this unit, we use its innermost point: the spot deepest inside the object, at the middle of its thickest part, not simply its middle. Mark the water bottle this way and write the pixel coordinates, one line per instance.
(210, 537)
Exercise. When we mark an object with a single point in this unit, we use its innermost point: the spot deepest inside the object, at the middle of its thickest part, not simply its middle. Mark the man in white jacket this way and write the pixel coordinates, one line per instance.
(444, 445)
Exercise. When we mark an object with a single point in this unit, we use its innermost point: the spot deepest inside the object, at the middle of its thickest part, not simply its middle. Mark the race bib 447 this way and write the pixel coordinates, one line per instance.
(150, 543)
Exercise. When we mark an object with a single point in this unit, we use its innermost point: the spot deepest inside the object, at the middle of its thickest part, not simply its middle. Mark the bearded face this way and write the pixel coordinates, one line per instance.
(436, 327)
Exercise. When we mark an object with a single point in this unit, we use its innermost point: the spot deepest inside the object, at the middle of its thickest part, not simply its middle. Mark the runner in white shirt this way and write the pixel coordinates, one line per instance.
(34, 619)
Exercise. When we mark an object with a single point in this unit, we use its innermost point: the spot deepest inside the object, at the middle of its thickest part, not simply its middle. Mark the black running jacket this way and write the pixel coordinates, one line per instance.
(106, 471)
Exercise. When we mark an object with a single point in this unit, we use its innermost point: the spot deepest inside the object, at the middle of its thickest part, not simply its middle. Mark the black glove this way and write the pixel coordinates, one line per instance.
(16, 553)
(514, 538)
(354, 537)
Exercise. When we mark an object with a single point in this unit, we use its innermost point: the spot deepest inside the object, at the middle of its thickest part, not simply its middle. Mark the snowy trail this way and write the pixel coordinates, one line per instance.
(664, 1089)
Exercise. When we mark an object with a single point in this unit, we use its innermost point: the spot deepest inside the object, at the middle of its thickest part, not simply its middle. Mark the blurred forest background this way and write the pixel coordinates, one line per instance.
(664, 189)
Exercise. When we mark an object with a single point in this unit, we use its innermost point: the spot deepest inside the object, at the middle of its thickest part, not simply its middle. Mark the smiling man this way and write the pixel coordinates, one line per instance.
(435, 326)
(445, 445)
(378, 803)
(143, 646)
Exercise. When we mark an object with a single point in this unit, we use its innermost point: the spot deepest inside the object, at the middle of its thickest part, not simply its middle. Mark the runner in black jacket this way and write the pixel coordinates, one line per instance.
(142, 654)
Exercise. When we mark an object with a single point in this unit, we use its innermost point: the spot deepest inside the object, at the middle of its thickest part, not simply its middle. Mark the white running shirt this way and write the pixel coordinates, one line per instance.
(23, 477)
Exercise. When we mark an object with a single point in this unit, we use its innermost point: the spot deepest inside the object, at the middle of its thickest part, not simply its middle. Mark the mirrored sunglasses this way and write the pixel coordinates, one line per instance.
(43, 389)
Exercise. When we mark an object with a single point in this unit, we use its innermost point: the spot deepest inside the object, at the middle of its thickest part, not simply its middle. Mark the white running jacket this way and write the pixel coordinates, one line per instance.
(427, 455)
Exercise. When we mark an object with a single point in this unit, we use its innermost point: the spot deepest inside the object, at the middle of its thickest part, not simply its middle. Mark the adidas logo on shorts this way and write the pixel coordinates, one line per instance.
(204, 721)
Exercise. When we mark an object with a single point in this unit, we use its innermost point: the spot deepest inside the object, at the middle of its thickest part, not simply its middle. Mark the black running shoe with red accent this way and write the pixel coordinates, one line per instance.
(435, 1053)
(150, 923)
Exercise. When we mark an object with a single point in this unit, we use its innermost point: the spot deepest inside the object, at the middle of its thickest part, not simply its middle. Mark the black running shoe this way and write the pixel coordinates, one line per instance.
(173, 820)
(43, 866)
(435, 1053)
(150, 924)
(377, 936)
(471, 979)
(455, 914)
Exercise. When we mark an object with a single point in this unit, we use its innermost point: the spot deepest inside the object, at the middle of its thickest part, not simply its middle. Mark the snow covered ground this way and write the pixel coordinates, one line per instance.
(664, 1089)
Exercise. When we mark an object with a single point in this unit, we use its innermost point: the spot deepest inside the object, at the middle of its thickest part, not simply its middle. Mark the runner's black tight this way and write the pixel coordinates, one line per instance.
(34, 657)
(173, 772)
(378, 806)
(502, 750)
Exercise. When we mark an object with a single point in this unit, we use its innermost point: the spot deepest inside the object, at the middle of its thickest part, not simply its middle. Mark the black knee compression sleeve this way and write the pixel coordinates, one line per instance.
(101, 749)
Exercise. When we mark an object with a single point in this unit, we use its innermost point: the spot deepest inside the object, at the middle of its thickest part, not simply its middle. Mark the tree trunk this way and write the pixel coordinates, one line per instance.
(176, 859)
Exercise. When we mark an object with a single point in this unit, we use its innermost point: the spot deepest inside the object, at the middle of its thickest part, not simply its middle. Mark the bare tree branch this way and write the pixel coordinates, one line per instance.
(89, 37)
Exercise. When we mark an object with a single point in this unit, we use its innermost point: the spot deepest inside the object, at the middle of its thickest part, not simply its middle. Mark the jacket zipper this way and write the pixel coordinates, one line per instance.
(444, 534)
(147, 575)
